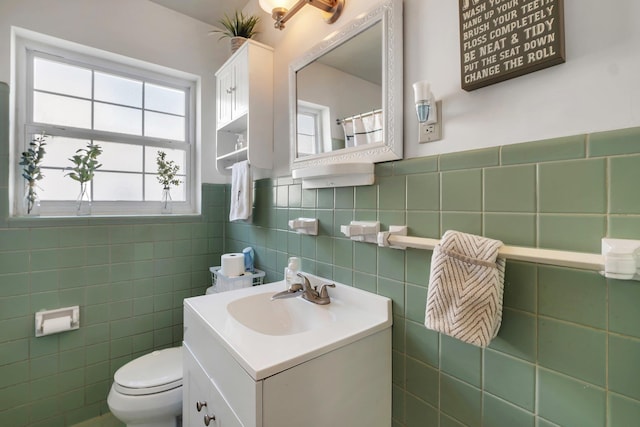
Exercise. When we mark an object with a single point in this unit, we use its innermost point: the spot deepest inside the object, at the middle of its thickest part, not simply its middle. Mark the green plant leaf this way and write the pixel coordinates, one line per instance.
(239, 25)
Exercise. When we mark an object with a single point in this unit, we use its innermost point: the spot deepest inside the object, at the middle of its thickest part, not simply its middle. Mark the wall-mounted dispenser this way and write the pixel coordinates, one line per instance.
(429, 112)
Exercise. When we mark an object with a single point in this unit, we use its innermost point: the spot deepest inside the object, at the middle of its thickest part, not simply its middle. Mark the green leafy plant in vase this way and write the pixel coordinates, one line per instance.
(30, 161)
(238, 28)
(167, 171)
(85, 165)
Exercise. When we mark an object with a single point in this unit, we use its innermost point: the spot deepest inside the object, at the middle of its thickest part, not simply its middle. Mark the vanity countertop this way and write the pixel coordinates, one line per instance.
(266, 337)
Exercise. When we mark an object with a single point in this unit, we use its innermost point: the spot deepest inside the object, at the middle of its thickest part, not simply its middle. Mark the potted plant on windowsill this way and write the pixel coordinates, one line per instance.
(84, 169)
(167, 171)
(31, 160)
(237, 28)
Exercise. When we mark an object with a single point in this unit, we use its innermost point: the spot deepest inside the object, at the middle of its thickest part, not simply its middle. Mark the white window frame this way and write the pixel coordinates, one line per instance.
(321, 118)
(26, 48)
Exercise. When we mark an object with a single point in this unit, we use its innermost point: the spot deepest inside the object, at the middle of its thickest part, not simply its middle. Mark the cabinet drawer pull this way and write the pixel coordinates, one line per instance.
(208, 419)
(200, 405)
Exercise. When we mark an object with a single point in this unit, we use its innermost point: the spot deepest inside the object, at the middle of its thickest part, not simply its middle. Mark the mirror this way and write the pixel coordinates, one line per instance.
(346, 93)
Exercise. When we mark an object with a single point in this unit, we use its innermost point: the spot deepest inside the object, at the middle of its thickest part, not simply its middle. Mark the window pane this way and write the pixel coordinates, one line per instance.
(59, 149)
(112, 118)
(306, 124)
(153, 189)
(164, 99)
(61, 78)
(306, 144)
(120, 157)
(113, 186)
(118, 90)
(56, 186)
(163, 126)
(61, 110)
(151, 153)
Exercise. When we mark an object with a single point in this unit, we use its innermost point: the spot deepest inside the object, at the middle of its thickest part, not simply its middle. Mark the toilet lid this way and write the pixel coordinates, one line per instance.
(152, 373)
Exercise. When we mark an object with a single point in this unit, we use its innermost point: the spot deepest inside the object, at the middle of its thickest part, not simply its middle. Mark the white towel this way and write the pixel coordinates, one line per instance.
(241, 192)
(466, 284)
(375, 135)
(359, 132)
(347, 127)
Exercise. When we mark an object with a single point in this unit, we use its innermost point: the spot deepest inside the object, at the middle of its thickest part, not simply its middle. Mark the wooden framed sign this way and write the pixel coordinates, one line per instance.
(503, 39)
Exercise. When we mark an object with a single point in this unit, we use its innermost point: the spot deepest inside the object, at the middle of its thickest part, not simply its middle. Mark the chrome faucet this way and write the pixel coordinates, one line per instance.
(307, 291)
(311, 293)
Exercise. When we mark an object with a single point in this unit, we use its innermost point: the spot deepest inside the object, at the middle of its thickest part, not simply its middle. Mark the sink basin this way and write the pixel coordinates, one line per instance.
(268, 336)
(279, 317)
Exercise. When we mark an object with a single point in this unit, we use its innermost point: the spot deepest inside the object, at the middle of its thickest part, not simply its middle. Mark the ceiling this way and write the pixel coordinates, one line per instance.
(208, 11)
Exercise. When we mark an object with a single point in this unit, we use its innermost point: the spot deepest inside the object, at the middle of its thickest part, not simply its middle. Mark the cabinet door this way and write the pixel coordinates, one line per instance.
(202, 401)
(225, 96)
(240, 103)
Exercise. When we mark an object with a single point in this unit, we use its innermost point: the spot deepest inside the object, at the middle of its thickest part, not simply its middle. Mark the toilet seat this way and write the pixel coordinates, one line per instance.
(152, 373)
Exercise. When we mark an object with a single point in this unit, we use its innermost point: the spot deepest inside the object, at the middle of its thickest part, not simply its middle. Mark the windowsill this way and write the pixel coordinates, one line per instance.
(59, 221)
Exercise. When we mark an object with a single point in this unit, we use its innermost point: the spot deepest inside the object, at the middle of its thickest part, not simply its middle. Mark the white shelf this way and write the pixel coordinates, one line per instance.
(335, 175)
(244, 106)
(229, 159)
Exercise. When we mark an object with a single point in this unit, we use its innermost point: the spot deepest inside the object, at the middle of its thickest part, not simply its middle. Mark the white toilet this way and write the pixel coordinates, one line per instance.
(147, 391)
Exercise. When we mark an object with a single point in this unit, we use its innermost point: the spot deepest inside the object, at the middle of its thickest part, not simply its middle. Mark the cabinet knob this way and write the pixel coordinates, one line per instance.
(229, 90)
(208, 419)
(200, 405)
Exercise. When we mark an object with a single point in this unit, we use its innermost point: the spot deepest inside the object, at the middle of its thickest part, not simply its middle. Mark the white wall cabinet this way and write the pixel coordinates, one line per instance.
(244, 104)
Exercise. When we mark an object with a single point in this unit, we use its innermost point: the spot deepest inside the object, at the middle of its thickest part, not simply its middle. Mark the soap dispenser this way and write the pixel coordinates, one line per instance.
(291, 272)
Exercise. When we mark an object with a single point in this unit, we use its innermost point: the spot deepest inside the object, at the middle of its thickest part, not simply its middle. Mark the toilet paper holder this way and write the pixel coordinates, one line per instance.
(59, 320)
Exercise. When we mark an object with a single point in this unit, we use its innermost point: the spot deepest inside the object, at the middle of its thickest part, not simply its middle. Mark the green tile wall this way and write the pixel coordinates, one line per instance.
(129, 277)
(568, 348)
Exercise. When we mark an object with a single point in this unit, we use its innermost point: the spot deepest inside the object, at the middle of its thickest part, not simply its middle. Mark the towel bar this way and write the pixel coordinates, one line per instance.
(620, 258)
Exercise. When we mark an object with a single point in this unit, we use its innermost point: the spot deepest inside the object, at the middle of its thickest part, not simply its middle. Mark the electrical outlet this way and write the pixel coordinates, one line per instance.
(433, 131)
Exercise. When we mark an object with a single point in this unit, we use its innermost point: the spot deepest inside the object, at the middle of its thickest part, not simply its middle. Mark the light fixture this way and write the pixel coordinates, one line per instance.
(428, 111)
(282, 10)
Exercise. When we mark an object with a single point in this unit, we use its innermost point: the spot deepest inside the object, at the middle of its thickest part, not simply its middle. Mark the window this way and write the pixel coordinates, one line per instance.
(313, 129)
(131, 113)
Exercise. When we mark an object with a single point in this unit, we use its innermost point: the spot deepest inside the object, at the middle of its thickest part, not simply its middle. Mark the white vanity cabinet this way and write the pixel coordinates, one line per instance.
(208, 407)
(345, 385)
(244, 105)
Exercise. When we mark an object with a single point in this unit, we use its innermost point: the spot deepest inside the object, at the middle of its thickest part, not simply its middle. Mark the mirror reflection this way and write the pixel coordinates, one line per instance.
(340, 96)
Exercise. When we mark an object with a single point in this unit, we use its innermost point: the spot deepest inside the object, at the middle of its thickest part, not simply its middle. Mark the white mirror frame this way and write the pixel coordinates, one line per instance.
(389, 12)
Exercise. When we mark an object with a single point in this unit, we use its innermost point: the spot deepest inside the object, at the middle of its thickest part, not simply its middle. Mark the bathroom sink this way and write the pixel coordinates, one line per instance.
(279, 317)
(268, 336)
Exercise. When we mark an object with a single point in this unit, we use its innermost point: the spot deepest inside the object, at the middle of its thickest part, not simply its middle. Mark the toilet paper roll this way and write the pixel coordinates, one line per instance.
(232, 265)
(56, 324)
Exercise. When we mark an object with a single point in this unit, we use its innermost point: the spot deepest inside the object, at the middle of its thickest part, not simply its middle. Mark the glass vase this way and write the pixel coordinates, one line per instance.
(83, 202)
(31, 201)
(165, 201)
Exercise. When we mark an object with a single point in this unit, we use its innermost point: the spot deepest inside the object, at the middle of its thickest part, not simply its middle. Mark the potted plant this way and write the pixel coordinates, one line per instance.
(237, 28)
(85, 164)
(31, 160)
(167, 171)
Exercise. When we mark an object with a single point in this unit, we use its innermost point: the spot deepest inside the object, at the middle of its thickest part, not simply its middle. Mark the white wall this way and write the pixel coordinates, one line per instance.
(598, 88)
(135, 28)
